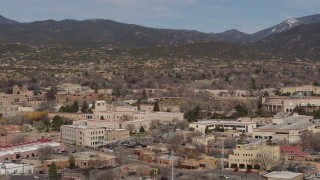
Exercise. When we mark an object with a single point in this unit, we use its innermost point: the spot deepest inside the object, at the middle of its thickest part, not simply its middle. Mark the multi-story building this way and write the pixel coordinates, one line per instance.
(116, 134)
(287, 104)
(71, 116)
(305, 89)
(80, 97)
(86, 135)
(247, 156)
(82, 135)
(104, 111)
(245, 127)
(287, 128)
(21, 96)
(68, 88)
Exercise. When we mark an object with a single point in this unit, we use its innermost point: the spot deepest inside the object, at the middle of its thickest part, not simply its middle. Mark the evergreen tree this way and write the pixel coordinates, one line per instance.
(190, 116)
(138, 104)
(144, 94)
(75, 107)
(242, 111)
(207, 130)
(84, 107)
(52, 172)
(72, 162)
(93, 105)
(142, 130)
(57, 121)
(156, 106)
(116, 92)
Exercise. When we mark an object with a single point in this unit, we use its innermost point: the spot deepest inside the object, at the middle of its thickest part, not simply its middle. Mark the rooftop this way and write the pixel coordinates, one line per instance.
(218, 121)
(82, 127)
(292, 124)
(282, 174)
(25, 147)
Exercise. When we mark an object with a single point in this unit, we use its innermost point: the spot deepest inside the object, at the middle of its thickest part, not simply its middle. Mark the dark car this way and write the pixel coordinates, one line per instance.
(179, 174)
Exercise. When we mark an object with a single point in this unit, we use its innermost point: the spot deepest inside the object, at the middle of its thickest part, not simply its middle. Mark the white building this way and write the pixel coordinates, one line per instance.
(104, 111)
(11, 169)
(288, 128)
(245, 127)
(82, 135)
(85, 133)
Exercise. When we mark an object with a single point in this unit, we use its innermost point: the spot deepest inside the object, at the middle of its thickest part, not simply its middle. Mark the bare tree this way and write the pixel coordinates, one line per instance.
(45, 153)
(310, 141)
(175, 141)
(143, 170)
(131, 127)
(164, 172)
(105, 175)
(193, 134)
(266, 159)
(199, 150)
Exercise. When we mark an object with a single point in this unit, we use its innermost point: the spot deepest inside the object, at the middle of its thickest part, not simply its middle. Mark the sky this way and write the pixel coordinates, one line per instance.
(203, 15)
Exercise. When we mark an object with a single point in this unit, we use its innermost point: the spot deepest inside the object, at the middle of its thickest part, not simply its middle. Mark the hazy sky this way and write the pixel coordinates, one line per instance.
(202, 15)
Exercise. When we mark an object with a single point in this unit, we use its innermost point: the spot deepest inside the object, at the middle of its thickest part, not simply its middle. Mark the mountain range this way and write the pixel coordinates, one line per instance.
(4, 20)
(285, 38)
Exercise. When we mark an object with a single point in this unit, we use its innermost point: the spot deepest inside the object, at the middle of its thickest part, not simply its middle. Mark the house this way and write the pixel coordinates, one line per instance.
(292, 153)
(208, 162)
(203, 140)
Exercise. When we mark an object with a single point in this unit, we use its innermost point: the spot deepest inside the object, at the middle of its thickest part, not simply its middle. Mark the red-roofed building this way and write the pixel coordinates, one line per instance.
(28, 149)
(292, 153)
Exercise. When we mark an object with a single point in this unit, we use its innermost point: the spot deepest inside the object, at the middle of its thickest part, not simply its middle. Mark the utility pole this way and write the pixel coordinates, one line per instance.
(222, 157)
(172, 176)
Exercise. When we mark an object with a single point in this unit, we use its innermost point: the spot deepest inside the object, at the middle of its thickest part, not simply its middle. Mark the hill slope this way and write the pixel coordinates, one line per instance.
(237, 36)
(97, 31)
(302, 42)
(4, 20)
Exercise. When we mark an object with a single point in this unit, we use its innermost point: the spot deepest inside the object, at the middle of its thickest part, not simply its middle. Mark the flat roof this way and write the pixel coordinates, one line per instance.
(209, 122)
(82, 127)
(291, 124)
(282, 174)
(27, 147)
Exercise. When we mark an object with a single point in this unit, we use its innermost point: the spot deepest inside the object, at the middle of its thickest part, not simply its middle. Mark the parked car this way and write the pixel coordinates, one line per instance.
(179, 174)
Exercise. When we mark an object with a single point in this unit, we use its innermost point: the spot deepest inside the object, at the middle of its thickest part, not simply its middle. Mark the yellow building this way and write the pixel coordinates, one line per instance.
(301, 89)
(116, 134)
(255, 155)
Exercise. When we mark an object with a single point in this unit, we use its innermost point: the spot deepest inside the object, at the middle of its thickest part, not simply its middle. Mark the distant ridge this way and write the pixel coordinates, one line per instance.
(4, 20)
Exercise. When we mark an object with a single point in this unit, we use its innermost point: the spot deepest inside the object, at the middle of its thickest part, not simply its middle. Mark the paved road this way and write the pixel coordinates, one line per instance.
(207, 174)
